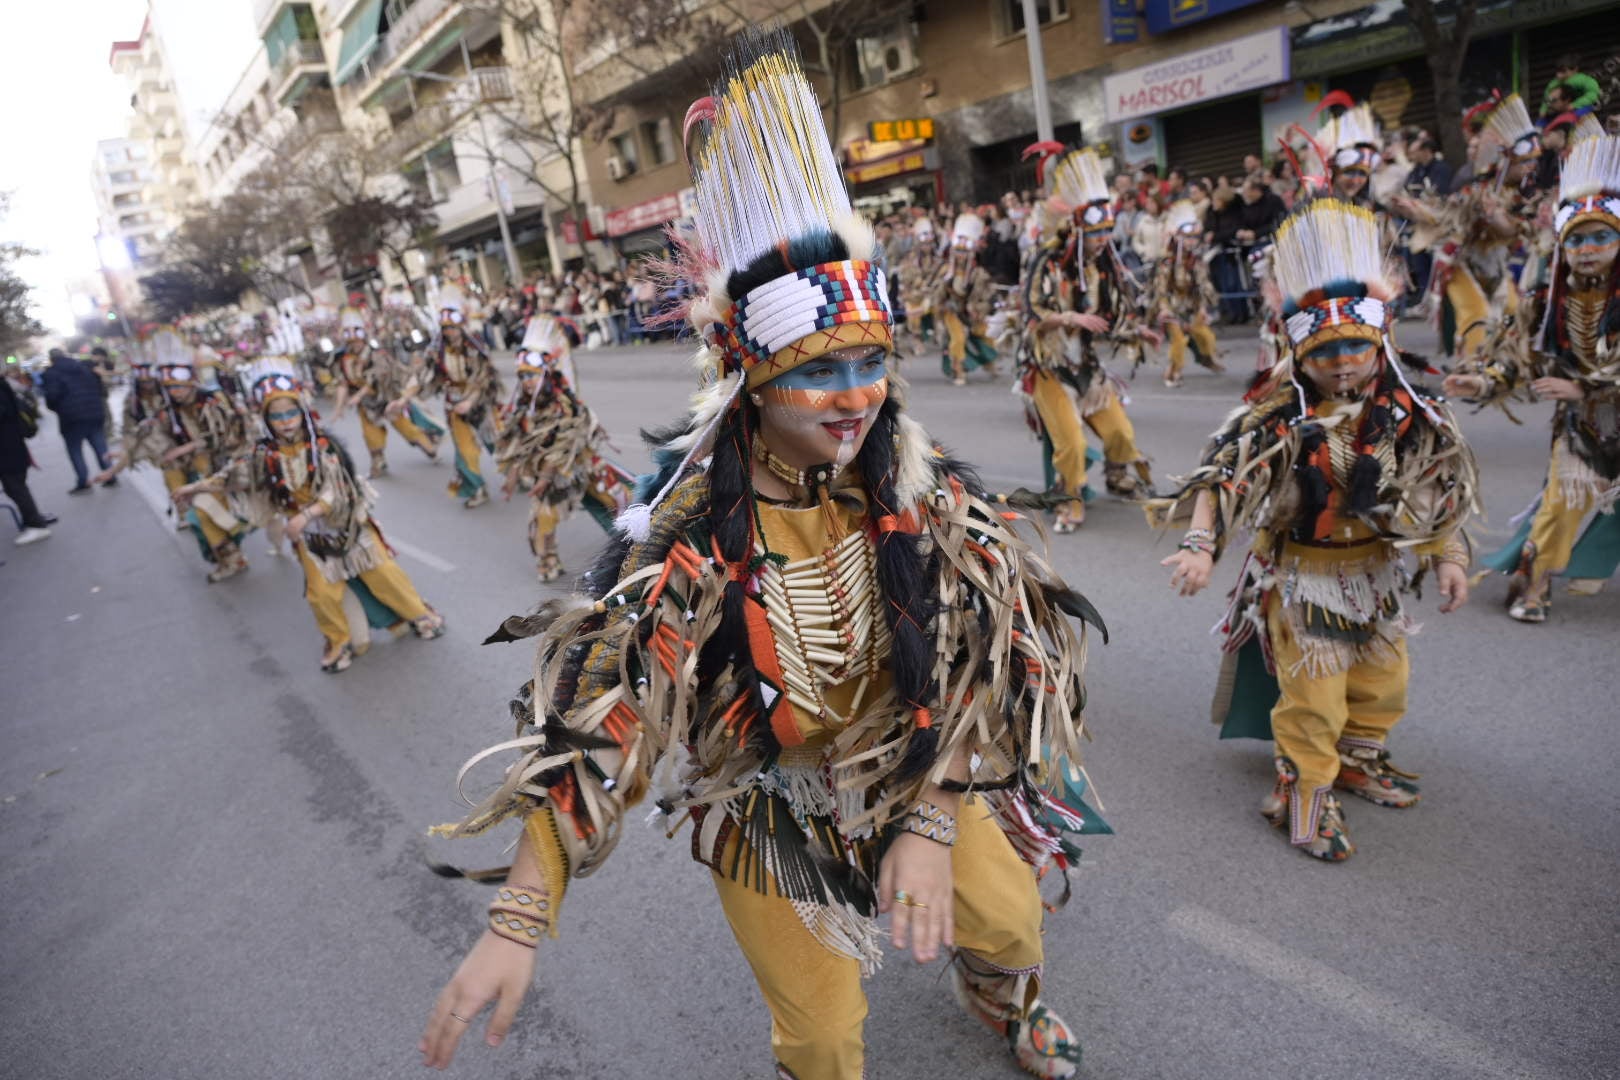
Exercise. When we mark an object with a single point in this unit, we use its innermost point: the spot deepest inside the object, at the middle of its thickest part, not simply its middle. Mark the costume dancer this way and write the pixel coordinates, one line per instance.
(1183, 295)
(1076, 295)
(964, 294)
(1337, 472)
(302, 473)
(460, 370)
(550, 446)
(838, 655)
(1576, 364)
(372, 380)
(918, 271)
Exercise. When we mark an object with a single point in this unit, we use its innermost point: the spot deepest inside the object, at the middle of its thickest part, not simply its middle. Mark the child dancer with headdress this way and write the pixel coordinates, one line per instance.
(1183, 295)
(1338, 472)
(846, 664)
(1576, 364)
(300, 472)
(1078, 296)
(550, 445)
(460, 370)
(372, 379)
(964, 294)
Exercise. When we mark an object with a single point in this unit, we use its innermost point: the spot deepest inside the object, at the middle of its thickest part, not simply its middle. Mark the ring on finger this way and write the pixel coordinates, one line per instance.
(463, 1019)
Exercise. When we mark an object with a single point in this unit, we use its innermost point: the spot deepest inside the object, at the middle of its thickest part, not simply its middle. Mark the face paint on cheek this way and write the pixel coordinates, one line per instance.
(807, 427)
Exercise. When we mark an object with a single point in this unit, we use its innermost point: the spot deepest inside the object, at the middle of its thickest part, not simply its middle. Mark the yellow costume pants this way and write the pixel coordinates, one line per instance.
(1115, 430)
(1060, 416)
(469, 479)
(387, 583)
(543, 522)
(1556, 526)
(1359, 705)
(376, 435)
(1470, 308)
(1202, 335)
(815, 997)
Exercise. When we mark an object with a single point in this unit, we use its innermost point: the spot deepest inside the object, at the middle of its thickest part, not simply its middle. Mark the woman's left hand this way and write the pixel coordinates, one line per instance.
(1453, 581)
(1554, 389)
(295, 527)
(921, 869)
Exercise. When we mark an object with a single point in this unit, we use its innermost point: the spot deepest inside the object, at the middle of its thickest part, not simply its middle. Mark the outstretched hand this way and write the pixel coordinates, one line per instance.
(1453, 582)
(920, 869)
(1190, 571)
(495, 970)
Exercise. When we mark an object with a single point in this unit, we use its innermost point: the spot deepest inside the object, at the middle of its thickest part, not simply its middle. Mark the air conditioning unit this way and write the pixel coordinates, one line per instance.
(616, 167)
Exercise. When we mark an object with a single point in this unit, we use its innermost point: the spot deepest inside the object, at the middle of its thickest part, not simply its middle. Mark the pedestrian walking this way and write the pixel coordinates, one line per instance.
(19, 420)
(73, 392)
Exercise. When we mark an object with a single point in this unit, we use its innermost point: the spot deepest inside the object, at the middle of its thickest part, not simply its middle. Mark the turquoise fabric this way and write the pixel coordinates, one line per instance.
(1254, 694)
(1596, 553)
(359, 39)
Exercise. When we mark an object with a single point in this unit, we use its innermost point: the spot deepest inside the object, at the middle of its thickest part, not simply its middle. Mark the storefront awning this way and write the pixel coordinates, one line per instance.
(359, 39)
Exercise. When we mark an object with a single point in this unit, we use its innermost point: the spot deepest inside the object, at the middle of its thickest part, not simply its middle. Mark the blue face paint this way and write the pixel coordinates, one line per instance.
(1599, 239)
(831, 374)
(284, 414)
(1330, 351)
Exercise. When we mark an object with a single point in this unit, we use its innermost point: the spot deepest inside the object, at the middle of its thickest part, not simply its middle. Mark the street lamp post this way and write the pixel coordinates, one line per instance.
(1037, 72)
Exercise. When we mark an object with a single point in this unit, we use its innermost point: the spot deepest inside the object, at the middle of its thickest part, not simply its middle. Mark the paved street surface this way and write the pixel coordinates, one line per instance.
(211, 854)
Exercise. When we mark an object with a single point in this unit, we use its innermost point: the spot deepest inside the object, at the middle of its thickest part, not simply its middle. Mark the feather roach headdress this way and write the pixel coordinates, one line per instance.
(452, 306)
(1509, 126)
(352, 323)
(1587, 127)
(272, 377)
(1353, 140)
(172, 356)
(544, 342)
(782, 265)
(1590, 187)
(1078, 180)
(1183, 219)
(966, 232)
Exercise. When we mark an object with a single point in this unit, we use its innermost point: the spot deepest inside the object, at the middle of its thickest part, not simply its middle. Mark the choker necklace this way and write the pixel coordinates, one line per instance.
(804, 479)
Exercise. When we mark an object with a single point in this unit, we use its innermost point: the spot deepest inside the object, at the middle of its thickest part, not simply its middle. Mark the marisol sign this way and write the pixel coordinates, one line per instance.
(1246, 63)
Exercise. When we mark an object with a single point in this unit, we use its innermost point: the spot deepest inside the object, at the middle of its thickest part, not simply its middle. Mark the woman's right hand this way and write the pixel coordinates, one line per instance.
(1190, 571)
(497, 970)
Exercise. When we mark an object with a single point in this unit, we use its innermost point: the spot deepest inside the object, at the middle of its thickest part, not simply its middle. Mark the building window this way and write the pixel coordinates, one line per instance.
(624, 147)
(1047, 11)
(885, 56)
(444, 175)
(659, 140)
(123, 176)
(128, 199)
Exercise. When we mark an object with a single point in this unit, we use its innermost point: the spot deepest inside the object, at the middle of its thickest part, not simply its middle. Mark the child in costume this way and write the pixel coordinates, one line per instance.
(1077, 294)
(1183, 295)
(302, 473)
(1576, 364)
(371, 379)
(964, 295)
(550, 445)
(1338, 472)
(819, 639)
(460, 370)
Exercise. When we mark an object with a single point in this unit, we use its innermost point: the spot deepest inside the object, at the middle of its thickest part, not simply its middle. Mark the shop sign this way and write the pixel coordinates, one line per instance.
(1164, 16)
(644, 215)
(1243, 64)
(882, 170)
(881, 131)
(1119, 21)
(865, 151)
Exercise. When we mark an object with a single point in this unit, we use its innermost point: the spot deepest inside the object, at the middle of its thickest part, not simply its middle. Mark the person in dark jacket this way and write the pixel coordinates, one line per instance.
(1431, 174)
(15, 461)
(73, 393)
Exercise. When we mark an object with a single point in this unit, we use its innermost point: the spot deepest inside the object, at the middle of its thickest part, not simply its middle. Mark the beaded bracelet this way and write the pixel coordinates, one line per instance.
(521, 913)
(927, 820)
(1200, 540)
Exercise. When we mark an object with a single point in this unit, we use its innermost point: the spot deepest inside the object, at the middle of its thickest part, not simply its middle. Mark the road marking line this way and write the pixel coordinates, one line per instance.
(425, 557)
(1375, 1010)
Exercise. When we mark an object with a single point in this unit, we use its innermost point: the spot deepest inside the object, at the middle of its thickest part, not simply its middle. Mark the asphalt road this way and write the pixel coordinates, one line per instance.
(211, 852)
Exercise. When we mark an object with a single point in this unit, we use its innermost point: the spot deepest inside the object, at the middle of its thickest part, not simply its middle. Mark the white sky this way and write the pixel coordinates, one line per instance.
(61, 98)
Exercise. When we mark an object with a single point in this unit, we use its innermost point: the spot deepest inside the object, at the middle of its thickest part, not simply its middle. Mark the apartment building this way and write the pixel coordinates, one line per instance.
(129, 228)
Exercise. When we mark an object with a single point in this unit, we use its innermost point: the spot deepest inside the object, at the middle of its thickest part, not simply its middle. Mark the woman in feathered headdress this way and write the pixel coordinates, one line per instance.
(302, 473)
(1576, 364)
(550, 445)
(1078, 296)
(1183, 295)
(372, 379)
(964, 294)
(819, 634)
(1339, 470)
(919, 271)
(460, 370)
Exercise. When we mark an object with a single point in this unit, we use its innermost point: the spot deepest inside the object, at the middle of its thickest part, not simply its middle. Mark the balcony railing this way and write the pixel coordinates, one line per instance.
(483, 86)
(404, 32)
(299, 54)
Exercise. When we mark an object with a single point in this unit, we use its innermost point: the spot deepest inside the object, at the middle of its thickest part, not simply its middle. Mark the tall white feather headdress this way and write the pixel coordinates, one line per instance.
(1590, 186)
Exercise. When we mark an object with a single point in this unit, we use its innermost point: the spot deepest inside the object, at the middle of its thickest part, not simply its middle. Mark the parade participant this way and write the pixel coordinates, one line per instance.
(1339, 470)
(918, 271)
(193, 433)
(838, 655)
(964, 296)
(1352, 143)
(1577, 331)
(371, 379)
(460, 369)
(1183, 295)
(550, 445)
(303, 474)
(1077, 295)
